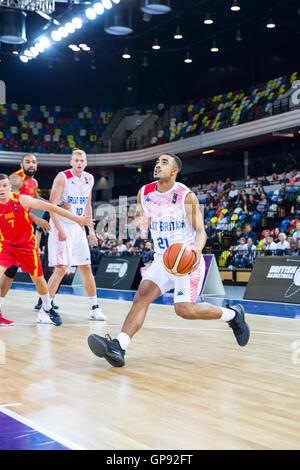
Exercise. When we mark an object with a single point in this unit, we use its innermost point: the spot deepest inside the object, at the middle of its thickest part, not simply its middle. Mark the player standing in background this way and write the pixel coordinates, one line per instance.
(67, 242)
(18, 244)
(23, 182)
(174, 215)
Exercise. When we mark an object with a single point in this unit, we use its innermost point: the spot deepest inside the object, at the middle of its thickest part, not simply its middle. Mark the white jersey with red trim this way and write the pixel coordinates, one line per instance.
(76, 192)
(168, 221)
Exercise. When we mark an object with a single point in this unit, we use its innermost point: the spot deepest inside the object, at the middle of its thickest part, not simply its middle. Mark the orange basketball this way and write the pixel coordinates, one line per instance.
(179, 259)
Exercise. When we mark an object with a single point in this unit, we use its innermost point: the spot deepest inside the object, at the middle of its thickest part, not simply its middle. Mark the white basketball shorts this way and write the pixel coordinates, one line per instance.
(186, 288)
(72, 252)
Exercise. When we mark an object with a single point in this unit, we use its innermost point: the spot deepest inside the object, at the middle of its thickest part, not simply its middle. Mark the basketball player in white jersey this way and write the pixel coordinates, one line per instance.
(174, 215)
(68, 246)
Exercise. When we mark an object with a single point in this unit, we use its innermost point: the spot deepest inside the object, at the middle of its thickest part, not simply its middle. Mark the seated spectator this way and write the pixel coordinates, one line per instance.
(269, 247)
(283, 178)
(139, 248)
(236, 238)
(296, 235)
(255, 195)
(264, 181)
(283, 245)
(283, 192)
(274, 178)
(248, 182)
(252, 204)
(233, 195)
(239, 259)
(113, 252)
(294, 248)
(138, 240)
(294, 176)
(220, 186)
(262, 205)
(227, 186)
(250, 253)
(212, 234)
(276, 233)
(95, 258)
(129, 248)
(121, 247)
(295, 209)
(250, 233)
(222, 223)
(147, 254)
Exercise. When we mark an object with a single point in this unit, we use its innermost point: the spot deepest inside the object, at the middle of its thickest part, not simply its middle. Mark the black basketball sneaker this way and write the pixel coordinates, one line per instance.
(108, 348)
(239, 326)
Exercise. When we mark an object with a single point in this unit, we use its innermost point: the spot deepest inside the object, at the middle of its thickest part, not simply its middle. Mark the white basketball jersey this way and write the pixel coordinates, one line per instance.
(76, 192)
(167, 216)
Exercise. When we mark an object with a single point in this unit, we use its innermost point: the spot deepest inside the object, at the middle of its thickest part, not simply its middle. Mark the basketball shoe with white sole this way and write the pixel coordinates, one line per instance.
(96, 313)
(49, 316)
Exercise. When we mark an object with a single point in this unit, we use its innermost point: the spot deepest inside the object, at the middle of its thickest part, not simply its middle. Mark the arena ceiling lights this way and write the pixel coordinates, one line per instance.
(44, 42)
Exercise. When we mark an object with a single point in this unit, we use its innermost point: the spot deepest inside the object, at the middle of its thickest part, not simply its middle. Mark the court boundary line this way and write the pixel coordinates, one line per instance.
(37, 427)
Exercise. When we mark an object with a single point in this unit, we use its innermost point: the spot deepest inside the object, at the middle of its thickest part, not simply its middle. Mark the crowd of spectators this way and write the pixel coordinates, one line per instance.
(246, 220)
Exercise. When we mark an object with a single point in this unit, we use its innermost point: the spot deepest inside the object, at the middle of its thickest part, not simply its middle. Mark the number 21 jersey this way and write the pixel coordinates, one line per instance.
(168, 221)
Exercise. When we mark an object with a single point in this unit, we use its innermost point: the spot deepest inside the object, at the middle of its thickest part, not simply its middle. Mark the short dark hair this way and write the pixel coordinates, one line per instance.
(3, 176)
(27, 155)
(177, 160)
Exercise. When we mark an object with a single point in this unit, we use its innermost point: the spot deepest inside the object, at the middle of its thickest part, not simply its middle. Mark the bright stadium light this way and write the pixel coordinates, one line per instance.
(63, 32)
(188, 59)
(55, 35)
(99, 8)
(44, 42)
(77, 22)
(34, 51)
(126, 54)
(90, 13)
(24, 59)
(116, 2)
(70, 27)
(107, 4)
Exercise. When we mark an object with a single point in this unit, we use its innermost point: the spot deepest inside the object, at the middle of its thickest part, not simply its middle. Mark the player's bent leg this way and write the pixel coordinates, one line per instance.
(47, 313)
(113, 350)
(89, 285)
(205, 311)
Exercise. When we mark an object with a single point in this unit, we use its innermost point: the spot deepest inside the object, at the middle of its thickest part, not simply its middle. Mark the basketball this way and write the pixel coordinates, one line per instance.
(179, 259)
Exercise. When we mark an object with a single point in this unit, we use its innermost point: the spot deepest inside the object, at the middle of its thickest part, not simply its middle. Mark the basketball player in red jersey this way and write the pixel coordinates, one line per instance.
(18, 244)
(159, 201)
(23, 182)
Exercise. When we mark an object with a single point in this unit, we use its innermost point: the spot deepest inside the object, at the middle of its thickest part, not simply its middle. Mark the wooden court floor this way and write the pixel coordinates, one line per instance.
(186, 384)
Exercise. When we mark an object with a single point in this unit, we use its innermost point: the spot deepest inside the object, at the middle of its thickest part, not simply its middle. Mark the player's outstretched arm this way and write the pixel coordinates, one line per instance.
(27, 201)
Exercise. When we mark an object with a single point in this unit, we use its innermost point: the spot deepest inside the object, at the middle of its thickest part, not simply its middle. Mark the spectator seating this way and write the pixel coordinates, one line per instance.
(51, 129)
(224, 110)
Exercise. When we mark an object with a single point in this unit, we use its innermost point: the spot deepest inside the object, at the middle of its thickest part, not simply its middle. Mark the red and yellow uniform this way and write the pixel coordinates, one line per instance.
(18, 244)
(29, 184)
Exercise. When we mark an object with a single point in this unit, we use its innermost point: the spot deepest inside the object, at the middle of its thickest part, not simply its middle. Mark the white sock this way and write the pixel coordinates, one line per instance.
(124, 340)
(1, 300)
(93, 301)
(227, 314)
(46, 301)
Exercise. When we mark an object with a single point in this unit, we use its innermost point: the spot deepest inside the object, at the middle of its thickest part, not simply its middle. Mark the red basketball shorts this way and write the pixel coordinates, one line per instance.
(26, 256)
